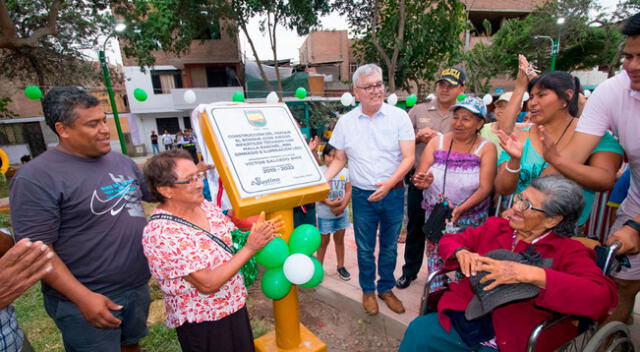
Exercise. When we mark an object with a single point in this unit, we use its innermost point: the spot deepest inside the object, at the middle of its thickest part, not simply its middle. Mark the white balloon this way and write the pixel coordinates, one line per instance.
(272, 97)
(587, 93)
(430, 97)
(392, 99)
(525, 97)
(488, 99)
(298, 268)
(189, 96)
(346, 99)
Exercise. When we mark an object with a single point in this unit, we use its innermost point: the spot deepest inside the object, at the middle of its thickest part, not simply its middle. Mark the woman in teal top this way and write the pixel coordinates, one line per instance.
(533, 164)
(528, 153)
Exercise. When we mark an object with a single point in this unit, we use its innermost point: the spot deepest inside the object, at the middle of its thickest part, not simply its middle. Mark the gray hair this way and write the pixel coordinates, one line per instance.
(365, 70)
(60, 103)
(564, 198)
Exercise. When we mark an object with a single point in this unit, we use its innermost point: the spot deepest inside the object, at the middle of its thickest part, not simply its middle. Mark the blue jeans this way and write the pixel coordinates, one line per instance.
(79, 336)
(367, 216)
(425, 334)
(155, 148)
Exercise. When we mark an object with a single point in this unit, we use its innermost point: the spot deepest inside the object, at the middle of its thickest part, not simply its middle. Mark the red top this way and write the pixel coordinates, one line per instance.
(575, 286)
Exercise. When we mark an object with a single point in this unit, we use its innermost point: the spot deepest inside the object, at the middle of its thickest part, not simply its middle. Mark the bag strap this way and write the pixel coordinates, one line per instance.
(194, 226)
(446, 163)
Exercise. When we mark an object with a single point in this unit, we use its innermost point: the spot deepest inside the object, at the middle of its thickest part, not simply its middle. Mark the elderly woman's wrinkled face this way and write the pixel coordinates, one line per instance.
(191, 192)
(526, 213)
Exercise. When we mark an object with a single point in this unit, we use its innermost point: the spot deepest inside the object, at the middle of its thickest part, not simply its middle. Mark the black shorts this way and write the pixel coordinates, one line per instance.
(231, 333)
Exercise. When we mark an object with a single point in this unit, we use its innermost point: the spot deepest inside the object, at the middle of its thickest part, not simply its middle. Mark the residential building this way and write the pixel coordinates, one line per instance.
(328, 54)
(26, 132)
(211, 69)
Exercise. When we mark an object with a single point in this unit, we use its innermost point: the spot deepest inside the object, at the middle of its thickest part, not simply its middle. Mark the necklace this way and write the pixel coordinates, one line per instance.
(565, 130)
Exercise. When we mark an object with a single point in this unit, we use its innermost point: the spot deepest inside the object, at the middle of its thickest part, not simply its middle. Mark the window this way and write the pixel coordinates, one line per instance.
(209, 32)
(11, 134)
(218, 76)
(165, 80)
(187, 122)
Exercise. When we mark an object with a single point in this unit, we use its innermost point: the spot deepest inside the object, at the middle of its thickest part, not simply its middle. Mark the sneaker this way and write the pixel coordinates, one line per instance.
(344, 274)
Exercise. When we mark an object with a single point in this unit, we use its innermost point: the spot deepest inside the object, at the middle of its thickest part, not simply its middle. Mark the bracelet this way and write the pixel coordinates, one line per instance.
(506, 166)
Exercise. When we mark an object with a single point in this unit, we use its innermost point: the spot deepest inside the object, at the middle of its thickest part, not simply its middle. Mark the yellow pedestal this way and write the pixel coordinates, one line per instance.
(289, 334)
(308, 342)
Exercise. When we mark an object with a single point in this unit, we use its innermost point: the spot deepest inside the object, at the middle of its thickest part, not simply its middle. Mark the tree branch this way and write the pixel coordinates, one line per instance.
(9, 35)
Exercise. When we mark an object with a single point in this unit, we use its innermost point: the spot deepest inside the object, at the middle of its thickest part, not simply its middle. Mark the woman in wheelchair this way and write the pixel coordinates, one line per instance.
(567, 281)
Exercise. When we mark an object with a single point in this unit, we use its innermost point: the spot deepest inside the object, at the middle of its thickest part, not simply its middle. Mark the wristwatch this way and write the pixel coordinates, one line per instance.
(633, 224)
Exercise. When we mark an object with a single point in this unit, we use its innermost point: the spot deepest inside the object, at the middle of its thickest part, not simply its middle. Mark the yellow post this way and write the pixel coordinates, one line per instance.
(289, 334)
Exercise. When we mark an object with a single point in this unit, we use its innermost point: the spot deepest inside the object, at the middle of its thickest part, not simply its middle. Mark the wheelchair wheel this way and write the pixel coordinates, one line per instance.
(613, 337)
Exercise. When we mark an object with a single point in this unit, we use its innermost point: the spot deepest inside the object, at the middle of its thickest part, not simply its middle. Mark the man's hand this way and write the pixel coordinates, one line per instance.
(96, 310)
(21, 267)
(380, 193)
(628, 238)
(424, 135)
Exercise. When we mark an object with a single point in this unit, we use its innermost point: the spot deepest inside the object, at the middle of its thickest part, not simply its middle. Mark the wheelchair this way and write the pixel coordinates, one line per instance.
(612, 337)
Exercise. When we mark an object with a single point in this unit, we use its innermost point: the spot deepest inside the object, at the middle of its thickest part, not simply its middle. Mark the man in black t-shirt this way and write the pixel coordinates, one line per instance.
(83, 200)
(154, 143)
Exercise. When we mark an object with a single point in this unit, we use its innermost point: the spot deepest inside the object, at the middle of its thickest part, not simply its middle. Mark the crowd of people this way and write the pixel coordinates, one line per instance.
(81, 228)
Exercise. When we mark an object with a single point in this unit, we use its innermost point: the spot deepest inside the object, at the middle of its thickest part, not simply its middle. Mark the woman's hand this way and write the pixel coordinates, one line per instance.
(522, 79)
(455, 214)
(501, 272)
(511, 144)
(262, 232)
(468, 261)
(423, 180)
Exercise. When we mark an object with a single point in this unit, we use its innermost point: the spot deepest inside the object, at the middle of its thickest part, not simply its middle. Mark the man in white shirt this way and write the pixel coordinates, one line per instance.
(378, 141)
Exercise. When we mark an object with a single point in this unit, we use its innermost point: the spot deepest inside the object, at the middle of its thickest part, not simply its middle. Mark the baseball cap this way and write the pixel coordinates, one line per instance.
(453, 75)
(473, 104)
(506, 97)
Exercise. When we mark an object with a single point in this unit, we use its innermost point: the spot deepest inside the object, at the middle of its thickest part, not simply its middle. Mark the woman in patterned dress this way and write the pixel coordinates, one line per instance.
(204, 293)
(470, 164)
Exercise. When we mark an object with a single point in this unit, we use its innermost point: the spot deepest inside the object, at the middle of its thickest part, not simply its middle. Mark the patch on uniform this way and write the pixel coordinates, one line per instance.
(424, 120)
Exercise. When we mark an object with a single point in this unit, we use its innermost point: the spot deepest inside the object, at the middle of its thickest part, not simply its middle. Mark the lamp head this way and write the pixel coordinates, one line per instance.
(560, 20)
(120, 27)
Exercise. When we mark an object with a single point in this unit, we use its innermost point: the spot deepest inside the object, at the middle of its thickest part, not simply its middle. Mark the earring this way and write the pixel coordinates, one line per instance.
(564, 106)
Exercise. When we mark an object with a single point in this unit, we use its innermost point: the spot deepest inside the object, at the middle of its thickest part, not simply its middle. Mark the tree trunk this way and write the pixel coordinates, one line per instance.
(243, 26)
(274, 49)
(613, 65)
(374, 40)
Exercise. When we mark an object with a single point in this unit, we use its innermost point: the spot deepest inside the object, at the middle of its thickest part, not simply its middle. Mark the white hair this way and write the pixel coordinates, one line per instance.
(365, 70)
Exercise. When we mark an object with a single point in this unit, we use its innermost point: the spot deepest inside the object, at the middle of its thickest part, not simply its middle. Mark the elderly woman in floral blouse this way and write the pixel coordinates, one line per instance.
(188, 248)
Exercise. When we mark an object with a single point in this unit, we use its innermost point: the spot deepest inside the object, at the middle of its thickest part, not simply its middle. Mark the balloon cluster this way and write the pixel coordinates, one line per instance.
(412, 99)
(291, 263)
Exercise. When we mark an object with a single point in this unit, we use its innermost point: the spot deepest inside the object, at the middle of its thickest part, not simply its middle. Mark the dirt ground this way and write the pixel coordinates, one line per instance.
(340, 331)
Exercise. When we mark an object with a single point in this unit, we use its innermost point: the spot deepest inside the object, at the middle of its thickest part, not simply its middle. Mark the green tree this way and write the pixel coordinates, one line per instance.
(41, 40)
(5, 112)
(171, 25)
(411, 39)
(583, 45)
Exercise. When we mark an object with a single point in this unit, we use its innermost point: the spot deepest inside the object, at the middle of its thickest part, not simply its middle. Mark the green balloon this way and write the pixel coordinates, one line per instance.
(33, 92)
(411, 100)
(304, 239)
(273, 254)
(301, 93)
(318, 274)
(140, 94)
(461, 97)
(274, 284)
(238, 97)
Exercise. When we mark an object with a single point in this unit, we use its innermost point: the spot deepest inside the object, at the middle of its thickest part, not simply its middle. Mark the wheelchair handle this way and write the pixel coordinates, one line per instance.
(610, 255)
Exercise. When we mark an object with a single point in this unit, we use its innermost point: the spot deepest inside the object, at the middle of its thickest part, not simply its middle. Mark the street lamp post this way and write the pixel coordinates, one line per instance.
(107, 82)
(555, 43)
(555, 48)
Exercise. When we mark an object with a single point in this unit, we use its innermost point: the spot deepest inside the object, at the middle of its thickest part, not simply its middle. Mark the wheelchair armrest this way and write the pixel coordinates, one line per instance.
(427, 286)
(432, 276)
(537, 331)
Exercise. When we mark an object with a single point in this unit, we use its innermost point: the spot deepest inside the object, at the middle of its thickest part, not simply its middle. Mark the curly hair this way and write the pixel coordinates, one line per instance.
(159, 171)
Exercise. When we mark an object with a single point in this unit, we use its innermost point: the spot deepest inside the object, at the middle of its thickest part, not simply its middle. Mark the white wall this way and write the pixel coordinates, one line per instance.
(134, 78)
(15, 152)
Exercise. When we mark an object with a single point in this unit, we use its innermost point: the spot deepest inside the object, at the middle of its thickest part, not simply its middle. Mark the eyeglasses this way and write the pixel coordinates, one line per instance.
(522, 204)
(371, 87)
(195, 178)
